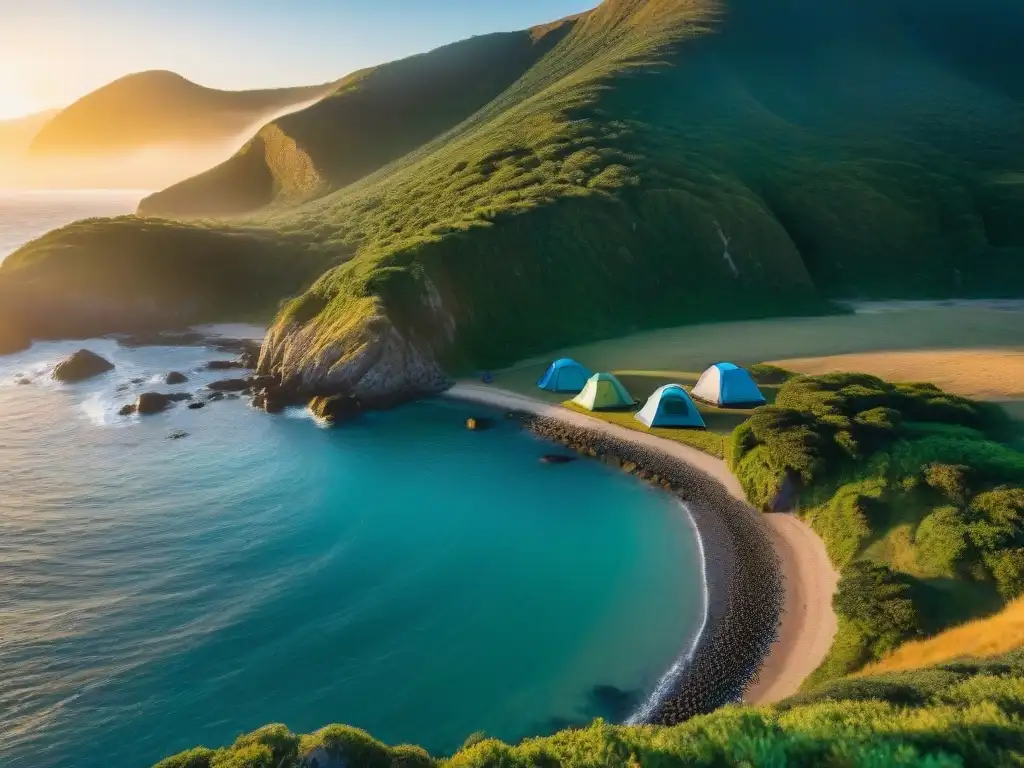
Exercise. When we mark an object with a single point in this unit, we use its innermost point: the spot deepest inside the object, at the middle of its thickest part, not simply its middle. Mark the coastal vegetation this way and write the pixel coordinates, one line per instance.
(641, 144)
(967, 713)
(916, 493)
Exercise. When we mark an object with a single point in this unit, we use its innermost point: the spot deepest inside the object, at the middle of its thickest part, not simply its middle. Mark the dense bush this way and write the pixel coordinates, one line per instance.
(919, 504)
(968, 713)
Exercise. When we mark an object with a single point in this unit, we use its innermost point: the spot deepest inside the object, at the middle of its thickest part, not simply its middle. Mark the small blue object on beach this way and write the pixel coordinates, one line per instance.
(487, 378)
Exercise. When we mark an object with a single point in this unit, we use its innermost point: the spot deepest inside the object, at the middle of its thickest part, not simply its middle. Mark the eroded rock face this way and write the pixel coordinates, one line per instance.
(376, 365)
(80, 366)
(336, 408)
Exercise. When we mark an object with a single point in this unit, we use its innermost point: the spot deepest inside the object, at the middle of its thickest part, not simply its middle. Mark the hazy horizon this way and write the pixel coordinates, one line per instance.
(224, 47)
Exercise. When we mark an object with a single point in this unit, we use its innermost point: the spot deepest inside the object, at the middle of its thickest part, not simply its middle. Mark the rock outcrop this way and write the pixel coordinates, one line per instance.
(80, 366)
(175, 377)
(229, 385)
(371, 360)
(335, 408)
(149, 403)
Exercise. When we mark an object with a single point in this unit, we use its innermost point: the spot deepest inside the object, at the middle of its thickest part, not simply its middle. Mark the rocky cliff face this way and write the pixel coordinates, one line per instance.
(372, 360)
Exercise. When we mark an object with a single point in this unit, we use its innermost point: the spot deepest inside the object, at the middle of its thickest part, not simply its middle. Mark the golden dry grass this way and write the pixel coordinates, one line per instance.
(977, 639)
(971, 349)
(984, 374)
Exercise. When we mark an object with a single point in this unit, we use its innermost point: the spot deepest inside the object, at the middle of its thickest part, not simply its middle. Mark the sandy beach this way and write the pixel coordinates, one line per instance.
(808, 622)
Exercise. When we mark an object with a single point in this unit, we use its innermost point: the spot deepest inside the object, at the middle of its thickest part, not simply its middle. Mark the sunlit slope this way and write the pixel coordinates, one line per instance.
(373, 117)
(666, 161)
(16, 135)
(978, 639)
(158, 108)
(840, 148)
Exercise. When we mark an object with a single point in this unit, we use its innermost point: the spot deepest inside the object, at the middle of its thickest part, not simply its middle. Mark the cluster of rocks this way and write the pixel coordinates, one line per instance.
(745, 587)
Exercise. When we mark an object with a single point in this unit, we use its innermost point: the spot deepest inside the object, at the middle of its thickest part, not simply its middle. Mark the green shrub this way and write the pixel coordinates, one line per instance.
(942, 543)
(872, 597)
(200, 757)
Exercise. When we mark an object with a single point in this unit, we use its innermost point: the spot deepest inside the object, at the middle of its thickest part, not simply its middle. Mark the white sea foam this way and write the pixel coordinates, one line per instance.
(669, 680)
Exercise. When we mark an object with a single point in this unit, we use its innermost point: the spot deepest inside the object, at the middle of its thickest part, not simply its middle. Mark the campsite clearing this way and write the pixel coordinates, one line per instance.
(960, 346)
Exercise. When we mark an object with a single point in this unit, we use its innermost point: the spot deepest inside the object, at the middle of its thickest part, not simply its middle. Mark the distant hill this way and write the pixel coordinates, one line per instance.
(649, 163)
(373, 117)
(159, 108)
(16, 135)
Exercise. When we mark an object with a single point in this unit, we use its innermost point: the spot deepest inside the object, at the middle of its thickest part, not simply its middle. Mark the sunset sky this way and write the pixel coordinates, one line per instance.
(54, 51)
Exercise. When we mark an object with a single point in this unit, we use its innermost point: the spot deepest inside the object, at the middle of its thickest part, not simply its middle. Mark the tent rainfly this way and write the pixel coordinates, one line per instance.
(603, 392)
(565, 375)
(670, 406)
(727, 386)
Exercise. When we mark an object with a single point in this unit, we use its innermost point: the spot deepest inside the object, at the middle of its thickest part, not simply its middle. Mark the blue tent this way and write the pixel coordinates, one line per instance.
(725, 384)
(670, 406)
(565, 375)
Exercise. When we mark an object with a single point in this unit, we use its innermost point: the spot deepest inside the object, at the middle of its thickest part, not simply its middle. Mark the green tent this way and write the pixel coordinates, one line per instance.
(603, 392)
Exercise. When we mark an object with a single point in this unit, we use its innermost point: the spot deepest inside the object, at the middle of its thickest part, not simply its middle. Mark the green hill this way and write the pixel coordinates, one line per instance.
(965, 713)
(373, 117)
(158, 108)
(664, 162)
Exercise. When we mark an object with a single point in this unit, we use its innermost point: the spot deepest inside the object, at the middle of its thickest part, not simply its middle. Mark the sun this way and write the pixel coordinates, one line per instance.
(15, 100)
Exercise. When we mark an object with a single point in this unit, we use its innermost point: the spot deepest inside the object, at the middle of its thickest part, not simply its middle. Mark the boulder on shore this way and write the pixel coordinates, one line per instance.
(149, 403)
(196, 406)
(80, 366)
(335, 408)
(229, 385)
(175, 377)
(223, 365)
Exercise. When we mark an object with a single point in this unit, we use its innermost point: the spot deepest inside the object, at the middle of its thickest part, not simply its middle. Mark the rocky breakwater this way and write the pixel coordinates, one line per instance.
(371, 362)
(744, 579)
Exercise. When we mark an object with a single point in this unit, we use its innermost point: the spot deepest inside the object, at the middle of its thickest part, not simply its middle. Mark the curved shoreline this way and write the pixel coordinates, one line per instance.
(769, 623)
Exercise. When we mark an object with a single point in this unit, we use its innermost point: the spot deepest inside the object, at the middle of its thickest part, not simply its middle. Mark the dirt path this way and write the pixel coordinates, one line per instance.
(808, 622)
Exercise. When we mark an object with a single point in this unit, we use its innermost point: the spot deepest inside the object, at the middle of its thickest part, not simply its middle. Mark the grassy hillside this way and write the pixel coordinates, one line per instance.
(664, 162)
(373, 117)
(942, 717)
(916, 493)
(158, 108)
(86, 279)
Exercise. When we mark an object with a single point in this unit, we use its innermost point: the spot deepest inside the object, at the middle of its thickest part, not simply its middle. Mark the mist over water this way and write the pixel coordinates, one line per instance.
(401, 573)
(25, 216)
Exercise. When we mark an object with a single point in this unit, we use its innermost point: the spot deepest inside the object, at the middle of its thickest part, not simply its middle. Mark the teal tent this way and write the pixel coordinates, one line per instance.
(670, 406)
(565, 375)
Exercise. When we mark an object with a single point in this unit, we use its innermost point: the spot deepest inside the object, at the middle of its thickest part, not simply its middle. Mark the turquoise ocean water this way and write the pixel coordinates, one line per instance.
(400, 573)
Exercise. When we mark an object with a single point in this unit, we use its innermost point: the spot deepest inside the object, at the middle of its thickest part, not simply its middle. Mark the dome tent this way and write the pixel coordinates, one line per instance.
(565, 375)
(603, 392)
(670, 406)
(728, 386)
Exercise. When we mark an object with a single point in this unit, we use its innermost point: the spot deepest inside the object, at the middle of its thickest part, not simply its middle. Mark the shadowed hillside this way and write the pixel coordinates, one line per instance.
(665, 162)
(374, 116)
(158, 108)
